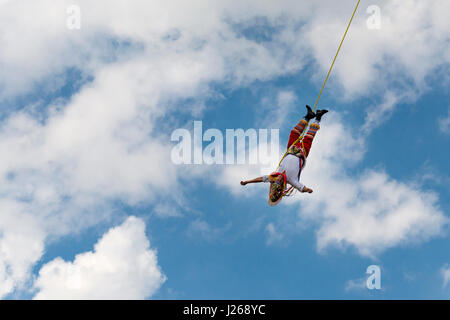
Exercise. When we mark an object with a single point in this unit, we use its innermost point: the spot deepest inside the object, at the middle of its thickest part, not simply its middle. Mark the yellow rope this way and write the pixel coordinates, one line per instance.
(323, 86)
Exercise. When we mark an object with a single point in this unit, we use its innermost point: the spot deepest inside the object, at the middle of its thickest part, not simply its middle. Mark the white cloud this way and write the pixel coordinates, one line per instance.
(378, 114)
(371, 211)
(444, 123)
(409, 45)
(356, 285)
(445, 271)
(370, 59)
(166, 210)
(393, 61)
(97, 147)
(275, 108)
(21, 244)
(121, 266)
(201, 228)
(273, 235)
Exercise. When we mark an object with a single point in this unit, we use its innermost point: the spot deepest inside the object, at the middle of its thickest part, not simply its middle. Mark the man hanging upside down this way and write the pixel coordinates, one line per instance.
(292, 165)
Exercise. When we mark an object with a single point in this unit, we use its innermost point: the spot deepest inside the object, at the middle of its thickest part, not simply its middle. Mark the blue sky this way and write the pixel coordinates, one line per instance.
(242, 265)
(239, 264)
(96, 208)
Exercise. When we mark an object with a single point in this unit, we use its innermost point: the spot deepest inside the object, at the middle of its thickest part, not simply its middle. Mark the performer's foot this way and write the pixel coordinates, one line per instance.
(310, 114)
(320, 113)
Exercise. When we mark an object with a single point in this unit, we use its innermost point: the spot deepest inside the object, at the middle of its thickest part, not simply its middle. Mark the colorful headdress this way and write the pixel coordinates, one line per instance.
(277, 186)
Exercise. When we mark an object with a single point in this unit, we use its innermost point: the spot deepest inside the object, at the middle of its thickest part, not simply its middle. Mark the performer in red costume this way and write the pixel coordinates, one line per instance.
(292, 165)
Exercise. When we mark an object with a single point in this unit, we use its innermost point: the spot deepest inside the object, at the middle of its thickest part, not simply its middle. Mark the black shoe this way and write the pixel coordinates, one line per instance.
(320, 113)
(310, 114)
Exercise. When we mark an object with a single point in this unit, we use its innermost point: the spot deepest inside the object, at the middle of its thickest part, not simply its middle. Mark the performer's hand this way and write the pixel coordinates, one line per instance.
(243, 183)
(306, 189)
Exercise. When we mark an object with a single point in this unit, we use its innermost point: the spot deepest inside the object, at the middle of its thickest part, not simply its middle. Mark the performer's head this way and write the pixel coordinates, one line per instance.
(277, 186)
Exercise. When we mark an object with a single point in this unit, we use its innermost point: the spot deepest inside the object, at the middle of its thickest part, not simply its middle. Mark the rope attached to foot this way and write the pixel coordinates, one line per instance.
(324, 83)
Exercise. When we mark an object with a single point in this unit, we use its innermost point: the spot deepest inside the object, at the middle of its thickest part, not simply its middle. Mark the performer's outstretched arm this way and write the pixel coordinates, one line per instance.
(300, 187)
(256, 180)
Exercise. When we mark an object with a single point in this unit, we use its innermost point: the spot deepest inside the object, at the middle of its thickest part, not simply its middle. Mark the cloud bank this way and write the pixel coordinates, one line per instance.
(121, 266)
